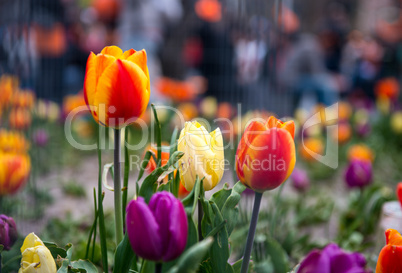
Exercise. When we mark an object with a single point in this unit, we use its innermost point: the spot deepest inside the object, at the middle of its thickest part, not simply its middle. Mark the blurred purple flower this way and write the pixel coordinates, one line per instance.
(157, 231)
(333, 259)
(300, 180)
(41, 137)
(363, 129)
(358, 174)
(8, 231)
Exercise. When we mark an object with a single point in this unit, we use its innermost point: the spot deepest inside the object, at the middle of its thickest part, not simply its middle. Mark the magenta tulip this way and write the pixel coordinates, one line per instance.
(8, 231)
(157, 231)
(358, 174)
(333, 259)
(300, 180)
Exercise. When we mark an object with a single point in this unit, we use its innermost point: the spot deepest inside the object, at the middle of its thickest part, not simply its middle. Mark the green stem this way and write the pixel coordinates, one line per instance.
(251, 232)
(102, 229)
(126, 173)
(117, 189)
(158, 268)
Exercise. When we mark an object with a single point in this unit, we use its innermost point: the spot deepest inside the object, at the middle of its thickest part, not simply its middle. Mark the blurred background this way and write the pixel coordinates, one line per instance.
(271, 55)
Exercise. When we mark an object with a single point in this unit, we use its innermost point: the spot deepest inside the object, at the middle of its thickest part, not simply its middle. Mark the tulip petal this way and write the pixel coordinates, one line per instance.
(122, 88)
(252, 131)
(127, 54)
(113, 51)
(143, 230)
(315, 263)
(393, 237)
(271, 160)
(390, 260)
(161, 207)
(178, 230)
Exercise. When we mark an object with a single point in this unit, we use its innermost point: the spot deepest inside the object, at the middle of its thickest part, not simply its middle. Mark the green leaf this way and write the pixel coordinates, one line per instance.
(84, 265)
(230, 211)
(148, 186)
(124, 256)
(219, 252)
(158, 136)
(55, 250)
(126, 175)
(278, 255)
(190, 202)
(221, 196)
(237, 266)
(190, 260)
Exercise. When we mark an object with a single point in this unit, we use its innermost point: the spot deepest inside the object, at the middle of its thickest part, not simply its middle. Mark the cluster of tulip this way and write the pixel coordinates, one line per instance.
(15, 164)
(117, 91)
(19, 103)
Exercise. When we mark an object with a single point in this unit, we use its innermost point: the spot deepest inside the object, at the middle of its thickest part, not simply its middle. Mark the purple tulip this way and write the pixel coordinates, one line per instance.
(300, 180)
(363, 129)
(40, 137)
(8, 231)
(358, 174)
(157, 231)
(333, 259)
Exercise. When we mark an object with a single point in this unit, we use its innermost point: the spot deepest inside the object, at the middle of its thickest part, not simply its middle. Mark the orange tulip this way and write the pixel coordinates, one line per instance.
(14, 172)
(387, 88)
(8, 84)
(314, 145)
(178, 91)
(72, 102)
(344, 110)
(265, 157)
(390, 258)
(344, 133)
(165, 158)
(360, 152)
(117, 86)
(13, 142)
(25, 99)
(20, 118)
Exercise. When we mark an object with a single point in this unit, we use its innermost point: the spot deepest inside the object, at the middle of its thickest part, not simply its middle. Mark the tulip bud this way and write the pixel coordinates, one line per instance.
(389, 260)
(265, 157)
(203, 156)
(358, 174)
(36, 257)
(157, 231)
(40, 137)
(333, 259)
(300, 180)
(8, 231)
(117, 86)
(14, 172)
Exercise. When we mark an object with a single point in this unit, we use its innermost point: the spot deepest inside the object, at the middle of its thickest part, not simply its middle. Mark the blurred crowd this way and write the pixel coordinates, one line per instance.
(255, 54)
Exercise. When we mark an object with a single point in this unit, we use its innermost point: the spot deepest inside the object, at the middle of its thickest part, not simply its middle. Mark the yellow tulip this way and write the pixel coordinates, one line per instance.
(36, 257)
(203, 156)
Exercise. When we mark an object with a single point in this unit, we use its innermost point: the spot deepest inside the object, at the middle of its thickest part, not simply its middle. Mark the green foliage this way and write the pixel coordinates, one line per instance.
(74, 189)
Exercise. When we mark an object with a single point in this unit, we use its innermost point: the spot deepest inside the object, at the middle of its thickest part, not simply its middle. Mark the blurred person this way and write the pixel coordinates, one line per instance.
(143, 24)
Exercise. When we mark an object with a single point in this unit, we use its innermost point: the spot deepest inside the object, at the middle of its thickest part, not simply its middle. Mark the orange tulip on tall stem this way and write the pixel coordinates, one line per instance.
(265, 158)
(117, 90)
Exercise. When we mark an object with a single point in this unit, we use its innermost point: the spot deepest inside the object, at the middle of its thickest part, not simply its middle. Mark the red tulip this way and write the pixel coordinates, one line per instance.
(265, 156)
(399, 192)
(117, 86)
(390, 259)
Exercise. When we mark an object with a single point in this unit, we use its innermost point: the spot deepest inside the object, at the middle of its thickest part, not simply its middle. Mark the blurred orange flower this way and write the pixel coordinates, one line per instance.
(188, 110)
(225, 110)
(344, 110)
(209, 10)
(387, 88)
(8, 85)
(72, 102)
(20, 118)
(179, 91)
(344, 133)
(13, 142)
(311, 146)
(360, 152)
(14, 172)
(23, 98)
